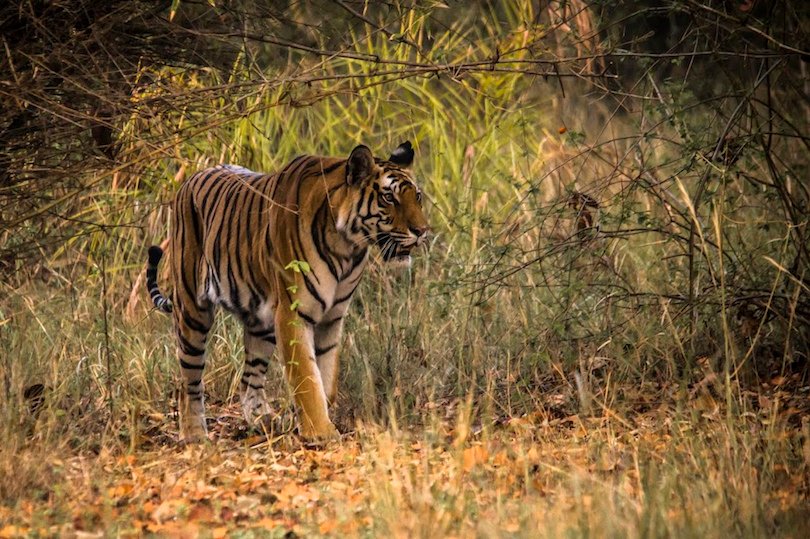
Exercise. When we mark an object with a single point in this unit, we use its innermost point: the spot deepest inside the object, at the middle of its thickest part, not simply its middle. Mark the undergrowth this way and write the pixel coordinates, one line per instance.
(608, 334)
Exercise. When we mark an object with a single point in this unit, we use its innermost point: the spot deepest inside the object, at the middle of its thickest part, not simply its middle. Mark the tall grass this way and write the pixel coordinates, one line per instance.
(513, 309)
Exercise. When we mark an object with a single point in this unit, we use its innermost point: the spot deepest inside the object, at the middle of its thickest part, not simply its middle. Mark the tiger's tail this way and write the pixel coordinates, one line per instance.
(162, 303)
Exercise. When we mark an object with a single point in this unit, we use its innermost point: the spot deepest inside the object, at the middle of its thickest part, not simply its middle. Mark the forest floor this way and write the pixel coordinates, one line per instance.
(665, 470)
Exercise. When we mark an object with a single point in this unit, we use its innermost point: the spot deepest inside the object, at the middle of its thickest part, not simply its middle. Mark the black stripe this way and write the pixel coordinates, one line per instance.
(308, 319)
(348, 296)
(356, 260)
(286, 173)
(213, 195)
(292, 163)
(312, 169)
(250, 202)
(180, 229)
(296, 171)
(262, 334)
(267, 337)
(216, 216)
(300, 177)
(237, 227)
(163, 304)
(329, 323)
(262, 201)
(256, 361)
(195, 222)
(359, 207)
(268, 244)
(317, 232)
(371, 197)
(202, 177)
(256, 296)
(314, 292)
(333, 167)
(194, 324)
(188, 348)
(190, 366)
(233, 298)
(227, 237)
(322, 351)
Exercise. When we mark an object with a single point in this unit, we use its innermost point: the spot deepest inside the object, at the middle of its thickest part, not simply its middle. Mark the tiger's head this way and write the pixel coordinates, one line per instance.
(387, 203)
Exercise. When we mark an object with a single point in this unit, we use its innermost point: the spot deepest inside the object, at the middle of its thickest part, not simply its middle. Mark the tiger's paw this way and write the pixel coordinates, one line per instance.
(193, 431)
(254, 405)
(275, 424)
(321, 437)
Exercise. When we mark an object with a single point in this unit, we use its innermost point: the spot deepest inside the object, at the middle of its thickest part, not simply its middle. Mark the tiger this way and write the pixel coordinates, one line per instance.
(284, 253)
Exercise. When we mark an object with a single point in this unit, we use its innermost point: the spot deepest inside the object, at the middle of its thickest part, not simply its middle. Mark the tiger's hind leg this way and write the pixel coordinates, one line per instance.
(260, 344)
(192, 324)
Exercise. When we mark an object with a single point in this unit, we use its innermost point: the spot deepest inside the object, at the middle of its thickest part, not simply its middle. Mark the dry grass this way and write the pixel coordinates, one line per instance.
(464, 434)
(531, 375)
(661, 473)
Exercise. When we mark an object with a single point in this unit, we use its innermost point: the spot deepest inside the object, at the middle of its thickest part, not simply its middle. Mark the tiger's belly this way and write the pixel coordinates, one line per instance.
(255, 307)
(322, 296)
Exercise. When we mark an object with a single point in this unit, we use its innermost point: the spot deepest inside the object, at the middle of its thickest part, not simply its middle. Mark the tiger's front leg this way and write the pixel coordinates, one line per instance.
(327, 344)
(295, 338)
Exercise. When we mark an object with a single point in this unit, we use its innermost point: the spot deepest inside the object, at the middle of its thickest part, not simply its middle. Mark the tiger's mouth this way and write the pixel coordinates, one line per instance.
(394, 252)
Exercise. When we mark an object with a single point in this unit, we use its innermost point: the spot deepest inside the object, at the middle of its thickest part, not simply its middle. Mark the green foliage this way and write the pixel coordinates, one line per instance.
(298, 266)
(687, 278)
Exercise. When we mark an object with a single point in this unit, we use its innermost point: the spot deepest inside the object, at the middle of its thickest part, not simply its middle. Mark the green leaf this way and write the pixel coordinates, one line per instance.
(298, 266)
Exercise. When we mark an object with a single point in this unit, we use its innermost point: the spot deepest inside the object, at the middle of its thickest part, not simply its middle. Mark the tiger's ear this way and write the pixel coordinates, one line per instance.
(403, 155)
(359, 165)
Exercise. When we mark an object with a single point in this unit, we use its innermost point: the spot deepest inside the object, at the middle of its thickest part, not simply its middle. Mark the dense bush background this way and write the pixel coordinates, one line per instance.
(618, 193)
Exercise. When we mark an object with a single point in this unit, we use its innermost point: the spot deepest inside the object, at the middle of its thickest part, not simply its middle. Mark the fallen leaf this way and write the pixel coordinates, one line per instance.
(473, 456)
(201, 511)
(168, 510)
(13, 531)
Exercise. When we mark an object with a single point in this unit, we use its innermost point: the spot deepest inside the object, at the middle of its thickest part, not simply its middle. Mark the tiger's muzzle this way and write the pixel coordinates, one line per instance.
(396, 247)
